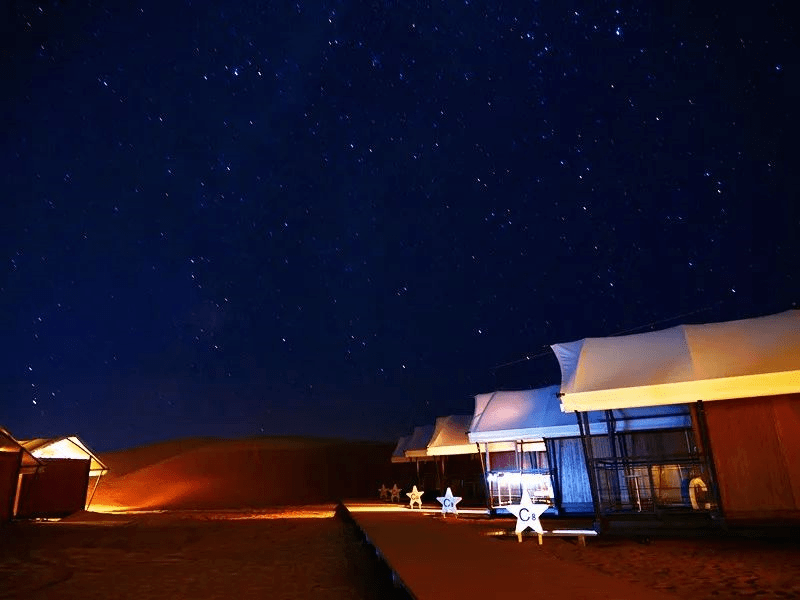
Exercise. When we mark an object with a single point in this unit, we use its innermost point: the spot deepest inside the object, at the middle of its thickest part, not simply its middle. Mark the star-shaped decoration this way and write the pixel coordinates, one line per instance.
(448, 502)
(383, 492)
(395, 493)
(527, 514)
(416, 496)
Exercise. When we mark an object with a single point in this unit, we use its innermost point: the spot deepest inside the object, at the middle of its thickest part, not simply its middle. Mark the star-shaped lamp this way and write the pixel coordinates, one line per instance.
(383, 492)
(448, 502)
(527, 514)
(416, 496)
(395, 493)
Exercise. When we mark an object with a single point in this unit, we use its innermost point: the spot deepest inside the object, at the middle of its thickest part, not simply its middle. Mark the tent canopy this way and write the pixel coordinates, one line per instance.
(418, 444)
(65, 447)
(481, 402)
(399, 456)
(528, 415)
(450, 436)
(716, 361)
(534, 415)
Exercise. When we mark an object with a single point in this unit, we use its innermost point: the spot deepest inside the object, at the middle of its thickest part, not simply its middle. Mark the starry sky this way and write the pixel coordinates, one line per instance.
(346, 218)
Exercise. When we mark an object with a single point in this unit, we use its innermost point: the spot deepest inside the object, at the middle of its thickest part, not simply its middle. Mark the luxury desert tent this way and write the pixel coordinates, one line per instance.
(457, 459)
(69, 470)
(511, 429)
(735, 385)
(528, 442)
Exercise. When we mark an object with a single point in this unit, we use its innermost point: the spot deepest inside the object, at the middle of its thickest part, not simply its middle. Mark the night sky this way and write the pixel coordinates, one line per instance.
(347, 218)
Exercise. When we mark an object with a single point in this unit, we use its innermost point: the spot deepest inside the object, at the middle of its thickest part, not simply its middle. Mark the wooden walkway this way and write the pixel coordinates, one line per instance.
(440, 558)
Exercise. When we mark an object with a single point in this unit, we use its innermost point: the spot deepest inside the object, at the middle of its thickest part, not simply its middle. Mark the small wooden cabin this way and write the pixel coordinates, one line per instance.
(66, 481)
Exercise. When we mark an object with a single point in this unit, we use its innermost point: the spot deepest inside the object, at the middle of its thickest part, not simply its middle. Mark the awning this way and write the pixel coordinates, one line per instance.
(526, 415)
(398, 456)
(418, 444)
(717, 361)
(450, 436)
(534, 415)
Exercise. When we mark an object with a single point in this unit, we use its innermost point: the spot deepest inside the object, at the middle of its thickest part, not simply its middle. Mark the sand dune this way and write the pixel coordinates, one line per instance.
(210, 473)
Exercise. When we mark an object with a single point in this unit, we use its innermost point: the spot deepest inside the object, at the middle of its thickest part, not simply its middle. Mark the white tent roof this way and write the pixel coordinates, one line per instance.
(481, 402)
(521, 415)
(450, 436)
(65, 447)
(398, 456)
(418, 444)
(716, 361)
(535, 415)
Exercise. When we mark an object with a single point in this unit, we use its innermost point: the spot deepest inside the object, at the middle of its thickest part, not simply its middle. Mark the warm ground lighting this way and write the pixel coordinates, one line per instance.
(365, 507)
(282, 512)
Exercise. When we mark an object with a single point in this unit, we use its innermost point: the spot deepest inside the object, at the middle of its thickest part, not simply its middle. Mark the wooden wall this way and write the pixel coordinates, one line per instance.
(568, 466)
(756, 448)
(9, 470)
(57, 490)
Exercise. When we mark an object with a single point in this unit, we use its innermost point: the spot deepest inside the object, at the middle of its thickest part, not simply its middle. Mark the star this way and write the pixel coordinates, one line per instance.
(395, 493)
(527, 514)
(383, 492)
(415, 496)
(448, 502)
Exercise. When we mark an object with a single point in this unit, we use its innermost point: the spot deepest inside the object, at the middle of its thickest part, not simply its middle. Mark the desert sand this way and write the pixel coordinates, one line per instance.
(302, 553)
(209, 518)
(701, 569)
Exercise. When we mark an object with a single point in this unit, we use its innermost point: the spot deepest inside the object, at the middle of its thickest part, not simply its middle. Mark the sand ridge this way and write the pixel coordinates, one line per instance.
(210, 473)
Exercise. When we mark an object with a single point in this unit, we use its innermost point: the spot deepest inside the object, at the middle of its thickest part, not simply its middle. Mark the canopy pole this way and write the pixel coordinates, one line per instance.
(555, 476)
(15, 506)
(588, 456)
(617, 461)
(96, 483)
(485, 478)
(702, 426)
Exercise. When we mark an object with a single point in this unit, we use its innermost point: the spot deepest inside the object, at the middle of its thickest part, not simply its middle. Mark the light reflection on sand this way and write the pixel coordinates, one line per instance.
(363, 507)
(283, 512)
